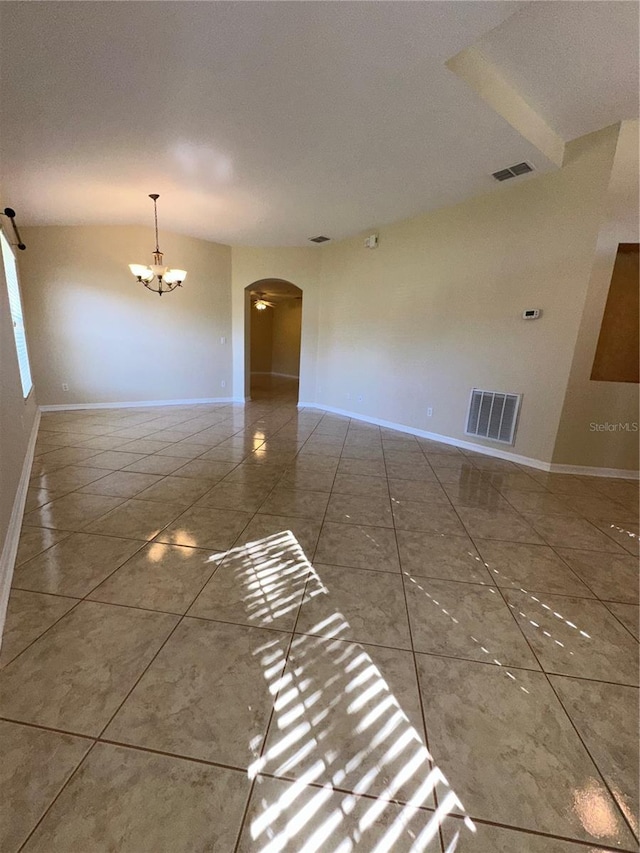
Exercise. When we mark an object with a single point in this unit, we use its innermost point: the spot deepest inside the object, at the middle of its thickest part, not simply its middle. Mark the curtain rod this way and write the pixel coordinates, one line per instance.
(10, 212)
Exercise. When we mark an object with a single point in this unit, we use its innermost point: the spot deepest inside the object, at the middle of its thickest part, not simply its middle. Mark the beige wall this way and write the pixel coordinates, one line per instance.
(287, 316)
(17, 417)
(92, 326)
(588, 402)
(436, 309)
(261, 340)
(300, 266)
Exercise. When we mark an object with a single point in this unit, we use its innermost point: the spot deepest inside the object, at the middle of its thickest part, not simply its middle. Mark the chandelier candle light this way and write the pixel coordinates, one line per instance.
(167, 279)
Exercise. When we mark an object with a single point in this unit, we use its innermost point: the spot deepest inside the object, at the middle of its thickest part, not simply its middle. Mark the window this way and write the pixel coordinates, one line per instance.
(15, 306)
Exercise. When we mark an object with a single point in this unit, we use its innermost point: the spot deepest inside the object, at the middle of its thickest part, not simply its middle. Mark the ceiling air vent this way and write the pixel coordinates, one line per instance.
(513, 171)
(319, 239)
(493, 414)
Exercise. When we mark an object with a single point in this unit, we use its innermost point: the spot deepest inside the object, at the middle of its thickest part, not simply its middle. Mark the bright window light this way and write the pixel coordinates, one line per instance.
(15, 306)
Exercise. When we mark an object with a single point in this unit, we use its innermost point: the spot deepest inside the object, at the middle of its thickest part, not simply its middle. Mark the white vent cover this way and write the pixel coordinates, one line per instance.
(493, 414)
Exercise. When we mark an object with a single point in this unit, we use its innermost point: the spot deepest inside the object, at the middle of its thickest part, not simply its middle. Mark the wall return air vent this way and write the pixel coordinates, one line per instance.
(493, 414)
(512, 171)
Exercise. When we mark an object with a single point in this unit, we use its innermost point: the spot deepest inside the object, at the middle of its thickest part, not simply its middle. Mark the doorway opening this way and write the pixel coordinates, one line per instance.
(273, 329)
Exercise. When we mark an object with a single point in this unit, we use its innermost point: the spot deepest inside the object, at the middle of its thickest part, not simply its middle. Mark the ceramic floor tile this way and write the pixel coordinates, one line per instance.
(565, 484)
(122, 484)
(176, 490)
(565, 532)
(205, 470)
(358, 546)
(360, 509)
(611, 576)
(506, 526)
(465, 621)
(260, 584)
(418, 491)
(75, 676)
(142, 445)
(76, 565)
(362, 467)
(235, 496)
(428, 518)
(72, 512)
(305, 530)
(224, 454)
(313, 481)
(35, 540)
(29, 614)
(625, 533)
(495, 839)
(433, 555)
(367, 452)
(511, 754)
(38, 497)
(61, 458)
(113, 460)
(159, 577)
(253, 477)
(483, 496)
(410, 471)
(131, 801)
(35, 765)
(600, 507)
(68, 479)
(291, 816)
(576, 636)
(206, 527)
(520, 482)
(606, 717)
(535, 567)
(183, 449)
(206, 695)
(367, 690)
(628, 614)
(539, 503)
(298, 503)
(356, 484)
(357, 605)
(160, 465)
(136, 519)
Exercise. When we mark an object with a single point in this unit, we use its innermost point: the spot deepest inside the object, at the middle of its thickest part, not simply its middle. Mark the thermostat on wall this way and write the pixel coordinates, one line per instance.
(531, 314)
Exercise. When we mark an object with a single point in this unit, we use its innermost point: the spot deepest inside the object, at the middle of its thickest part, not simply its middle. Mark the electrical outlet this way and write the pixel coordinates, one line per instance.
(429, 412)
(223, 384)
(223, 340)
(65, 387)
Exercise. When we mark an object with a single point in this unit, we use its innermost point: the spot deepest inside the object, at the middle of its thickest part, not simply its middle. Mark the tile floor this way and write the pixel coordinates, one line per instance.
(252, 628)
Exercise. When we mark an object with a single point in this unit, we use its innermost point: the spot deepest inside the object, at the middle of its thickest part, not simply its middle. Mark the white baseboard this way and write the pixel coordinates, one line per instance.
(72, 407)
(587, 471)
(496, 452)
(10, 547)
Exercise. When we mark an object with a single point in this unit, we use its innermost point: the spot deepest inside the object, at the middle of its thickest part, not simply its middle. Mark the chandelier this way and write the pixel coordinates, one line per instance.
(167, 279)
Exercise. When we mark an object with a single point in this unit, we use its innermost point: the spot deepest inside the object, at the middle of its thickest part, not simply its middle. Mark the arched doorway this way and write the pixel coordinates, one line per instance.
(273, 326)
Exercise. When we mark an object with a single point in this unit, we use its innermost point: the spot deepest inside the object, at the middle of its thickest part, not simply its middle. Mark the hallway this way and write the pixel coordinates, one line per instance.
(257, 628)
